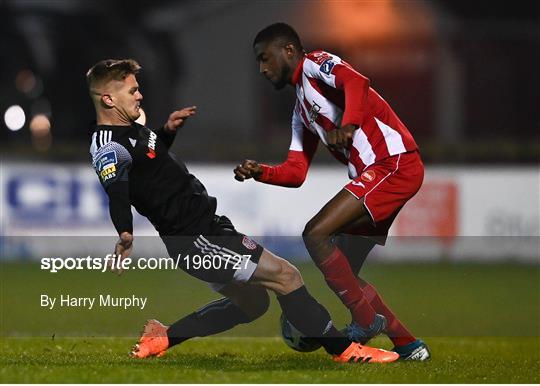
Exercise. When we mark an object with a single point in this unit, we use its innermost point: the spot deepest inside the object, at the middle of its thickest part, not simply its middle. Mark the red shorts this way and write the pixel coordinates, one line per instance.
(386, 186)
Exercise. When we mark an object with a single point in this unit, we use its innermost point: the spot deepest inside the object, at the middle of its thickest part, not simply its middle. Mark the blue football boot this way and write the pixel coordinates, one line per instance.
(361, 335)
(415, 351)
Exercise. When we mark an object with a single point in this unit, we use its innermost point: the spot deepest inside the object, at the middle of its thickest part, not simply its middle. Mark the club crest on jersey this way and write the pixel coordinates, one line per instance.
(248, 243)
(152, 145)
(320, 57)
(368, 176)
(314, 112)
(106, 166)
(327, 66)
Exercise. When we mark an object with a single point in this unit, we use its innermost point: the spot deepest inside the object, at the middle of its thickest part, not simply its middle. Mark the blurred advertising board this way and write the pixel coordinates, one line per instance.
(460, 213)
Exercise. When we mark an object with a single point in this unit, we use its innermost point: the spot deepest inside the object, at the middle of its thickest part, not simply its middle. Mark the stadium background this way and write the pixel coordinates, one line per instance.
(463, 76)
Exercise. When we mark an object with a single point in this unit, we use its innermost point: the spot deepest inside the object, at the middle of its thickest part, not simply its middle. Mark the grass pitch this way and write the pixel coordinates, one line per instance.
(482, 324)
(262, 360)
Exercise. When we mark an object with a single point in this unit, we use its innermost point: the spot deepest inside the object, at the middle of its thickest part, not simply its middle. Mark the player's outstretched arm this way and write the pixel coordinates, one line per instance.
(291, 173)
(175, 121)
(177, 118)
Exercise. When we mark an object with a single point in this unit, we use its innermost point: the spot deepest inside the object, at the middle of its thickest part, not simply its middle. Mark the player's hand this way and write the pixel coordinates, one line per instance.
(178, 118)
(247, 169)
(341, 138)
(122, 250)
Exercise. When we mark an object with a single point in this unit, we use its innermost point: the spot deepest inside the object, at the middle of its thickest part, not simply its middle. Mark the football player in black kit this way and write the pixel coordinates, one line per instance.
(135, 168)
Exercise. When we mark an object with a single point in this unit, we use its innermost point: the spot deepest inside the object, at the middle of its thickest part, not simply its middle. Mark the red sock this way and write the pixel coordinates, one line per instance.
(341, 279)
(396, 331)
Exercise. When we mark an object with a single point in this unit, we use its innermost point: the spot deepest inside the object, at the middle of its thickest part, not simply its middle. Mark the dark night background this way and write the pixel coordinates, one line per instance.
(463, 76)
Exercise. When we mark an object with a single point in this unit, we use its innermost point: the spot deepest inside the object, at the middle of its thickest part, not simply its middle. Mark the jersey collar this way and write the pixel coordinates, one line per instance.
(297, 72)
(119, 130)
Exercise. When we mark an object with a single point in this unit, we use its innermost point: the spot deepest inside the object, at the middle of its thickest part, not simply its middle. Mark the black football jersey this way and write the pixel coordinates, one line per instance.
(135, 168)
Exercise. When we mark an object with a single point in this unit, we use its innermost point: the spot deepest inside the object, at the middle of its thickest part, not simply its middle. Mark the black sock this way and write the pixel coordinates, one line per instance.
(313, 320)
(218, 316)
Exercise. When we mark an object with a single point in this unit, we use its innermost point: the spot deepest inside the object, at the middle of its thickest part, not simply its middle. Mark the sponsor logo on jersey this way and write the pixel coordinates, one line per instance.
(327, 66)
(152, 145)
(368, 176)
(106, 166)
(358, 183)
(108, 173)
(248, 243)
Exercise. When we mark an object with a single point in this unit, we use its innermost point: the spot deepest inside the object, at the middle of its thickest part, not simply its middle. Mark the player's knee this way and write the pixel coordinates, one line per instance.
(253, 302)
(309, 228)
(289, 277)
(314, 236)
(259, 305)
(277, 274)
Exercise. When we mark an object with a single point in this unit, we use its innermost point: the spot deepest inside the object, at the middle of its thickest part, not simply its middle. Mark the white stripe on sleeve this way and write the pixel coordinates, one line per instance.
(393, 139)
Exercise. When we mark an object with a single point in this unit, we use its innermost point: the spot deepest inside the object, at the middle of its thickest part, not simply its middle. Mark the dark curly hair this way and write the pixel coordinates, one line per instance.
(279, 31)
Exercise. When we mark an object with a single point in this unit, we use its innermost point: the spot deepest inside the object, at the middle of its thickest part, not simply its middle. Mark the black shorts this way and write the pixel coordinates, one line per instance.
(219, 256)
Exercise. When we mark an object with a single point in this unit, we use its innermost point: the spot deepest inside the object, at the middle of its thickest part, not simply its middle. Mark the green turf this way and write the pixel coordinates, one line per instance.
(482, 323)
(261, 360)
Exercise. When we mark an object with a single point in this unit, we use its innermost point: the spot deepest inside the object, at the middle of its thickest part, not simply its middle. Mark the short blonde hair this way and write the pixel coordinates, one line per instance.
(110, 69)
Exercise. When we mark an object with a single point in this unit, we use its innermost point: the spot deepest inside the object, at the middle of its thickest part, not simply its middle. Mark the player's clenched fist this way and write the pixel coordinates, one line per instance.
(247, 169)
(340, 138)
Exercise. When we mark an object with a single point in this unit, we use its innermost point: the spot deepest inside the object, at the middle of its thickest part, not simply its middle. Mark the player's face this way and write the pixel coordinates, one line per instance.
(273, 63)
(127, 98)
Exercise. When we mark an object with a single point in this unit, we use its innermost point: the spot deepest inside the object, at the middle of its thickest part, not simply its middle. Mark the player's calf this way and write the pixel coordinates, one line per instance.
(253, 300)
(218, 316)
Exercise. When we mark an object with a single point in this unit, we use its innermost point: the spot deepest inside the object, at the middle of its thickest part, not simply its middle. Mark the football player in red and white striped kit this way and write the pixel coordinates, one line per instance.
(335, 105)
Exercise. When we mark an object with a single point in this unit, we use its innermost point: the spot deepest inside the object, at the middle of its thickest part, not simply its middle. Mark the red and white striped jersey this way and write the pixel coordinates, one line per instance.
(331, 94)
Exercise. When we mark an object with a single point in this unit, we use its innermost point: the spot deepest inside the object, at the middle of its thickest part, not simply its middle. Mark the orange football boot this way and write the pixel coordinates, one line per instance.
(358, 353)
(153, 341)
